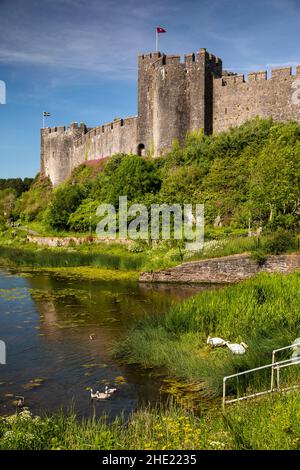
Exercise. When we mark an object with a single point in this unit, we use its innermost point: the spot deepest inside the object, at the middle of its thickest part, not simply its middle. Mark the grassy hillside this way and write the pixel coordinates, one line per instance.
(248, 175)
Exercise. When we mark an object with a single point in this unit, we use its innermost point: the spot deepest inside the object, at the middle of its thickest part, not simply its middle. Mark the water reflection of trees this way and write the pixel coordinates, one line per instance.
(65, 302)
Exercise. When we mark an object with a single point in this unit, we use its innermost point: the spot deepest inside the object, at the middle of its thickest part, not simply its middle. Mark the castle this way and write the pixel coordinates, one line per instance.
(174, 97)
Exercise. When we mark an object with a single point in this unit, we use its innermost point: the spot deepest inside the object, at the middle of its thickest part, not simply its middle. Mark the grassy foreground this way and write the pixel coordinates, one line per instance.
(263, 312)
(270, 423)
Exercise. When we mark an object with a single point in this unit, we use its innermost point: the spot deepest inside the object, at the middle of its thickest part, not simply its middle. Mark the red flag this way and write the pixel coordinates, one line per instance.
(160, 30)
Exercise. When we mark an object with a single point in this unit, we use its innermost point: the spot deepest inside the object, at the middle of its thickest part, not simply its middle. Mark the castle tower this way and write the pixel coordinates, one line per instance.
(56, 148)
(201, 69)
(174, 98)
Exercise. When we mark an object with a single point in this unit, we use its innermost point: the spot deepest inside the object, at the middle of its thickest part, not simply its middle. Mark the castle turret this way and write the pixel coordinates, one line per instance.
(56, 148)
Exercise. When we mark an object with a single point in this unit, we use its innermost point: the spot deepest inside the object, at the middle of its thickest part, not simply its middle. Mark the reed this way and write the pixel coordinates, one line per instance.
(49, 257)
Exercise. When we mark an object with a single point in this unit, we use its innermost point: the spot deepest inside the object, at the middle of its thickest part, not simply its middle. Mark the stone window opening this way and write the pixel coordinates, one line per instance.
(141, 150)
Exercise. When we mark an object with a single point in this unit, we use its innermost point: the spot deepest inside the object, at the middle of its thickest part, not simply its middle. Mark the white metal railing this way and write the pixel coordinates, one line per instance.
(274, 366)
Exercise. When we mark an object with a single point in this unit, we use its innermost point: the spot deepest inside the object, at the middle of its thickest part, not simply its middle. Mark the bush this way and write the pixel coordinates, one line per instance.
(33, 203)
(280, 243)
(259, 256)
(66, 200)
(84, 217)
(133, 177)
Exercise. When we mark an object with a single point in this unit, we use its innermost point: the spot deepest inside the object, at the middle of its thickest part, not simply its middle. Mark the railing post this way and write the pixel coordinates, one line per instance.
(272, 371)
(224, 393)
(278, 378)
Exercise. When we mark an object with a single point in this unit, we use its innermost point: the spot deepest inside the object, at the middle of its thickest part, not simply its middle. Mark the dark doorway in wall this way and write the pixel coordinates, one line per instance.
(141, 150)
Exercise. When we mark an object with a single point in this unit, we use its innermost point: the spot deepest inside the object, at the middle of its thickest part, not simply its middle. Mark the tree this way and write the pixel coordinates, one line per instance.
(66, 200)
(133, 177)
(275, 178)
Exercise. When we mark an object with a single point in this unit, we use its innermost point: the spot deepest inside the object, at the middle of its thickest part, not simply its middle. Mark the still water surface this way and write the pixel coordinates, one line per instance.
(46, 322)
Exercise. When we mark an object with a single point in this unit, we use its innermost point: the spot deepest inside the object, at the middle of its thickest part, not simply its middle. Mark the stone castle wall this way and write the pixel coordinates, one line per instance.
(119, 136)
(174, 97)
(56, 151)
(236, 100)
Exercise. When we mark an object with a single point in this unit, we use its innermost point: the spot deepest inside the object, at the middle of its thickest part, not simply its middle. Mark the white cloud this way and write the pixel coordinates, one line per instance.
(103, 37)
(73, 34)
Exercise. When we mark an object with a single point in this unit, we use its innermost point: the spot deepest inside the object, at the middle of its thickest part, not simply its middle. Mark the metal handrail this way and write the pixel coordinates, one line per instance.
(274, 366)
(273, 358)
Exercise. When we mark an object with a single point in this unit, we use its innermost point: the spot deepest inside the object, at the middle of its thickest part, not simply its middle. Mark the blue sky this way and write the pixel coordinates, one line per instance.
(77, 59)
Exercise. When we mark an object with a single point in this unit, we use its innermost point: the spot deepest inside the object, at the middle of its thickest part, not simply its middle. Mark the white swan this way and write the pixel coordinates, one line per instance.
(109, 391)
(215, 342)
(237, 348)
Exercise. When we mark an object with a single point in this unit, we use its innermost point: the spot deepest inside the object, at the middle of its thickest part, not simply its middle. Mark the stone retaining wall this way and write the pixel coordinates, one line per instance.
(69, 241)
(226, 269)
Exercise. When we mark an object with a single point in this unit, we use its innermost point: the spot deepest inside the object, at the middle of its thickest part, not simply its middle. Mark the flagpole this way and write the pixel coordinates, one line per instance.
(156, 40)
(43, 121)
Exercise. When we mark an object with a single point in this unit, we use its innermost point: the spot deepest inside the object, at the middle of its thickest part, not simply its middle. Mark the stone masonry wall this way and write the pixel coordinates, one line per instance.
(119, 136)
(236, 100)
(174, 97)
(56, 154)
(69, 241)
(223, 270)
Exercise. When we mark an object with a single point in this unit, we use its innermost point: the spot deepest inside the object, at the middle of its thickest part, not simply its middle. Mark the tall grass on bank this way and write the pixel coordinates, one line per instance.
(138, 255)
(263, 312)
(270, 423)
(53, 258)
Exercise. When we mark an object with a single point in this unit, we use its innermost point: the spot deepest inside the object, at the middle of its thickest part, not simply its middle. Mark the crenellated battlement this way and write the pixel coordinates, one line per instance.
(109, 127)
(159, 58)
(284, 73)
(281, 73)
(176, 95)
(257, 76)
(62, 129)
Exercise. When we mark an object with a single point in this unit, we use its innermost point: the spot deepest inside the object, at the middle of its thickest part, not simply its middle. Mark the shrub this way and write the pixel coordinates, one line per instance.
(259, 256)
(66, 200)
(133, 177)
(84, 216)
(33, 203)
(280, 243)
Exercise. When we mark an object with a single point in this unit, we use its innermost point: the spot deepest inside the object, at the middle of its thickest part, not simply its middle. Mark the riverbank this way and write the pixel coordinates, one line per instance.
(226, 269)
(275, 420)
(100, 262)
(263, 312)
(157, 261)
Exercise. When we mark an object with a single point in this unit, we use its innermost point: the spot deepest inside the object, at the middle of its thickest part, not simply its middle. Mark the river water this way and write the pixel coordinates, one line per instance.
(46, 322)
